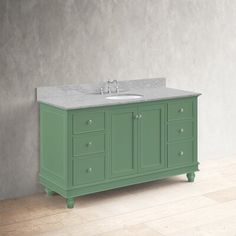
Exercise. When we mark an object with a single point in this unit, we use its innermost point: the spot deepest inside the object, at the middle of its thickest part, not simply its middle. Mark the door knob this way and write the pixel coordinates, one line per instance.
(181, 153)
(140, 116)
(89, 144)
(181, 109)
(89, 170)
(89, 122)
(181, 130)
(136, 116)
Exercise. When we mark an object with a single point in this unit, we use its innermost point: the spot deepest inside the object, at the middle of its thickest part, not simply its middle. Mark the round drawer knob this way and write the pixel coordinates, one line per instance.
(89, 122)
(181, 130)
(89, 144)
(181, 153)
(181, 110)
(89, 170)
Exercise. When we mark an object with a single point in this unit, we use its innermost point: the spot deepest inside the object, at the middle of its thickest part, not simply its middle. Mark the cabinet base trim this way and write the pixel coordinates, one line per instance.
(80, 191)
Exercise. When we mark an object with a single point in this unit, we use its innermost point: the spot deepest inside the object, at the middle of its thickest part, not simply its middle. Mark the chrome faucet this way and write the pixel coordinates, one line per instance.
(109, 87)
(117, 87)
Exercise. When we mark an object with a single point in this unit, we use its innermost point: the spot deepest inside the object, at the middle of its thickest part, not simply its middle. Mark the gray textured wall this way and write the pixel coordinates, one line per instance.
(55, 42)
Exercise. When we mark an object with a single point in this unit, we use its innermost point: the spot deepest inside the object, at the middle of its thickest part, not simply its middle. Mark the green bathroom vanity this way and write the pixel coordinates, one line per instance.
(90, 149)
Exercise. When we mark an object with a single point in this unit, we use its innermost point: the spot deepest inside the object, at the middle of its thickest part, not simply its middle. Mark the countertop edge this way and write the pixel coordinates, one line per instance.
(119, 103)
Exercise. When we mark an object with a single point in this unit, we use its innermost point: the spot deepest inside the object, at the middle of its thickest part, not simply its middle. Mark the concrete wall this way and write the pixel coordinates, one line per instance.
(55, 42)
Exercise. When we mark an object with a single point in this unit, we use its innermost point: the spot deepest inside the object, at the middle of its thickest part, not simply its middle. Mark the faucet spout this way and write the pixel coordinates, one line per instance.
(116, 84)
(109, 86)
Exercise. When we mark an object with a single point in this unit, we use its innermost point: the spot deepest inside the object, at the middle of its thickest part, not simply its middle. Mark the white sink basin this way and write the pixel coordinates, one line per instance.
(124, 96)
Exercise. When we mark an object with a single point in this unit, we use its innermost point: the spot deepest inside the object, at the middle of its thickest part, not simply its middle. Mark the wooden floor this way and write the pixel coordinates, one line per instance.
(169, 207)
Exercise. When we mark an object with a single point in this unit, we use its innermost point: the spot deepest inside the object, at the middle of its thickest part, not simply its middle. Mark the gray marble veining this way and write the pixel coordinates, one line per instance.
(83, 96)
(58, 91)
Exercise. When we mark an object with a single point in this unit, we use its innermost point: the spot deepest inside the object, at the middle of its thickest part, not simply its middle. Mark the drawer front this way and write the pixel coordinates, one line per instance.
(87, 122)
(182, 109)
(180, 130)
(88, 144)
(180, 154)
(89, 170)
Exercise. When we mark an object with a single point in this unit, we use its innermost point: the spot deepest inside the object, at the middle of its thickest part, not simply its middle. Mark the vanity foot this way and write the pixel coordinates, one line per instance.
(70, 202)
(49, 192)
(190, 177)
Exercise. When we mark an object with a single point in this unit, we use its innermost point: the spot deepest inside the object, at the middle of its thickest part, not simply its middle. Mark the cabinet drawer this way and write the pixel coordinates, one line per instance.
(89, 170)
(180, 154)
(180, 130)
(88, 143)
(182, 109)
(86, 122)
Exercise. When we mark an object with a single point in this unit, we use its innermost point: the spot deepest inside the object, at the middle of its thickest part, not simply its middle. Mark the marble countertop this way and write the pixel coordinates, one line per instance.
(75, 98)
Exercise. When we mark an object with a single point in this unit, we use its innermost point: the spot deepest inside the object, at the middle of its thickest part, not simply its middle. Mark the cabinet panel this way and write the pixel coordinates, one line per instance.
(180, 130)
(89, 170)
(180, 109)
(88, 143)
(53, 156)
(151, 137)
(87, 122)
(123, 143)
(180, 154)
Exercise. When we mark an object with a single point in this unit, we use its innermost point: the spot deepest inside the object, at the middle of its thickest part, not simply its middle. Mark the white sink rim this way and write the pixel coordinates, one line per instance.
(124, 96)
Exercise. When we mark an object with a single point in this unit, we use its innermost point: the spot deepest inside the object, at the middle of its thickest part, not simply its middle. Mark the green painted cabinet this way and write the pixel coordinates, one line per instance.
(151, 128)
(122, 141)
(89, 150)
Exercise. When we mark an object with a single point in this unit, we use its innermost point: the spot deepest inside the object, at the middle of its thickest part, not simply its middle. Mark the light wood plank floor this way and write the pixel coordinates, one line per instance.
(170, 207)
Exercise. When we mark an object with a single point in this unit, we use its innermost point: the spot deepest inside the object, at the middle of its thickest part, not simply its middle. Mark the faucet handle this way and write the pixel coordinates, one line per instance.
(109, 86)
(117, 89)
(116, 84)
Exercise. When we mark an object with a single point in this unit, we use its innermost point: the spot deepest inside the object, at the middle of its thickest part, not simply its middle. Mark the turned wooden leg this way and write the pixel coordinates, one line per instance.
(191, 177)
(49, 192)
(70, 202)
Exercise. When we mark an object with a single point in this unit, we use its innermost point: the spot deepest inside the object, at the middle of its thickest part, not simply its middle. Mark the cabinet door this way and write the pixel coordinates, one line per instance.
(123, 141)
(151, 137)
